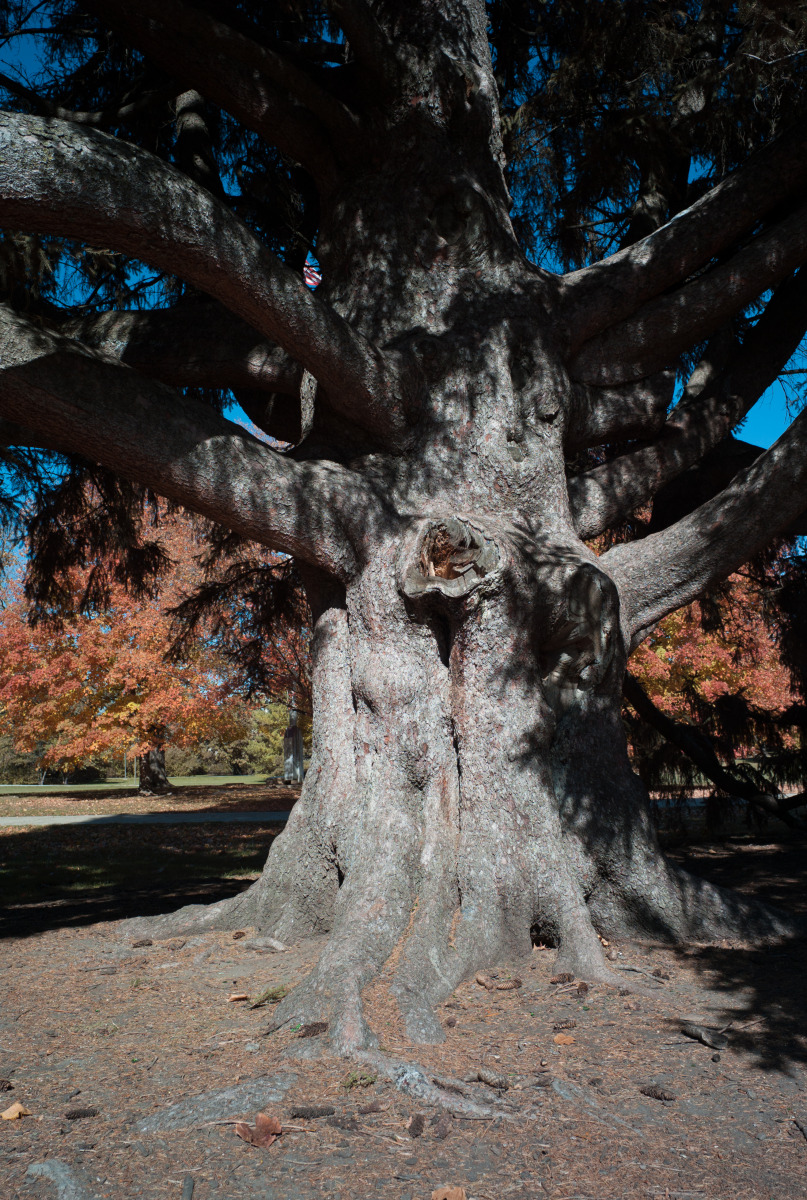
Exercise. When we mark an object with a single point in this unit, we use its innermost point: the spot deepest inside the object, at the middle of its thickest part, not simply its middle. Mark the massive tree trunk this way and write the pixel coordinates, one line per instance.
(469, 789)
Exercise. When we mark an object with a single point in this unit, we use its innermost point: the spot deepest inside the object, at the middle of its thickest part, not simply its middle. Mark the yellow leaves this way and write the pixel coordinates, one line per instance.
(265, 1130)
(563, 1039)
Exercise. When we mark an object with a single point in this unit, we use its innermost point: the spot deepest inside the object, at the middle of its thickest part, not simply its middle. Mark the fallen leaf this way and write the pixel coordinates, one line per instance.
(563, 1039)
(485, 981)
(16, 1111)
(265, 1131)
(234, 996)
(450, 1193)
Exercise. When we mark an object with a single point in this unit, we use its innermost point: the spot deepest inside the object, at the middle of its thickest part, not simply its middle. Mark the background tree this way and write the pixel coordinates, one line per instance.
(459, 421)
(89, 680)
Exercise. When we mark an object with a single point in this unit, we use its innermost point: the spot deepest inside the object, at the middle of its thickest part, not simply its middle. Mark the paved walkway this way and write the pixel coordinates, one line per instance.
(198, 817)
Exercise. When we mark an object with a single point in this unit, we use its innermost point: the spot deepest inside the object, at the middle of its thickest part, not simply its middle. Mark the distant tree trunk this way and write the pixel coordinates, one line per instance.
(153, 779)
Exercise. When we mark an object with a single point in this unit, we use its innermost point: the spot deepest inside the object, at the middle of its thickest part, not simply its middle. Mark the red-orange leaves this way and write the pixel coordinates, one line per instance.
(265, 1130)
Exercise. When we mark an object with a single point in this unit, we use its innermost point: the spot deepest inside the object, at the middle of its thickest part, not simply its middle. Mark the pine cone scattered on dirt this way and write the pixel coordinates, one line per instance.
(310, 1112)
(6, 1085)
(314, 1029)
(559, 1026)
(492, 1079)
(78, 1114)
(582, 988)
(564, 977)
(442, 1127)
(239, 933)
(141, 942)
(416, 1125)
(509, 985)
(659, 974)
(656, 1093)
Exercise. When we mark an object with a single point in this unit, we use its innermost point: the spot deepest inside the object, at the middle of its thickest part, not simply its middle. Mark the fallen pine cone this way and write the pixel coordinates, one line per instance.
(141, 942)
(509, 985)
(442, 1127)
(78, 1114)
(564, 977)
(582, 989)
(314, 1029)
(239, 933)
(486, 981)
(560, 1025)
(659, 974)
(366, 1109)
(6, 1085)
(656, 1093)
(492, 1079)
(416, 1125)
(450, 1022)
(308, 1112)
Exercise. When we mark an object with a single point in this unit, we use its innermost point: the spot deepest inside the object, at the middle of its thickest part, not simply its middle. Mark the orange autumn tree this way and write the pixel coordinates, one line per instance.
(714, 670)
(99, 683)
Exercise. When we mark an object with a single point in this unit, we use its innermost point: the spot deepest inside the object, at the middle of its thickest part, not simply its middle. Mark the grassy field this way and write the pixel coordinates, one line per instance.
(127, 785)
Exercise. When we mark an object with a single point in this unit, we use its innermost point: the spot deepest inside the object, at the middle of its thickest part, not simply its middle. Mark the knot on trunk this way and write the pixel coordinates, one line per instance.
(453, 558)
(582, 638)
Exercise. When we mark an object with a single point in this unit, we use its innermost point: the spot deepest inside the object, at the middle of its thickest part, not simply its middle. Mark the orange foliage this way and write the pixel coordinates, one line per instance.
(734, 654)
(100, 684)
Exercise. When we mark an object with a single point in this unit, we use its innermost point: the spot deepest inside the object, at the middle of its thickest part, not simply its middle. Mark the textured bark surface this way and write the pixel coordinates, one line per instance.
(470, 789)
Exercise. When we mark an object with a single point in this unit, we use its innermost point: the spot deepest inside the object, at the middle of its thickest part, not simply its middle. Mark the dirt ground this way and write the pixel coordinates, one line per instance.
(146, 1042)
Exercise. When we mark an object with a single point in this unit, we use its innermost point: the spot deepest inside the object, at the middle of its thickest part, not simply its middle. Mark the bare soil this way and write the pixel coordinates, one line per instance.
(148, 1038)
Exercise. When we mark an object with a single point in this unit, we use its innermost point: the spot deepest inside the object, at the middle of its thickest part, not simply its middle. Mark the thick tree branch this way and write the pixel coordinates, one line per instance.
(84, 403)
(198, 343)
(702, 754)
(717, 397)
(102, 119)
(609, 291)
(663, 329)
(210, 57)
(612, 414)
(367, 39)
(55, 178)
(667, 570)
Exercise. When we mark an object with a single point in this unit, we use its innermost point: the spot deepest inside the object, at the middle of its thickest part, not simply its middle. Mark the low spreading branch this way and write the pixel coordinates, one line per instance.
(665, 328)
(607, 292)
(667, 570)
(103, 118)
(84, 403)
(195, 344)
(702, 754)
(613, 414)
(210, 57)
(85, 184)
(717, 397)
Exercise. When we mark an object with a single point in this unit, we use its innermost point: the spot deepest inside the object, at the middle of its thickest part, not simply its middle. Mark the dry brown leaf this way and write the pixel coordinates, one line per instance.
(234, 996)
(485, 981)
(450, 1193)
(265, 1131)
(16, 1111)
(563, 1039)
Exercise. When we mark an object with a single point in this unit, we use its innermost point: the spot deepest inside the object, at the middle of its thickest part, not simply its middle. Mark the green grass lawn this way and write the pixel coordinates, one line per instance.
(130, 785)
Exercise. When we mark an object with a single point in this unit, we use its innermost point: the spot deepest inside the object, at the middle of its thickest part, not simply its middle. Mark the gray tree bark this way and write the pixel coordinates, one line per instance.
(470, 789)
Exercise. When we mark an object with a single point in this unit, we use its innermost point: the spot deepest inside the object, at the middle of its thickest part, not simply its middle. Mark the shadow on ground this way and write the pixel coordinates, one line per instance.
(68, 876)
(765, 989)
